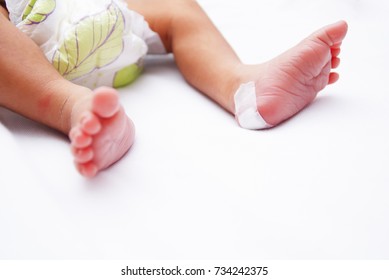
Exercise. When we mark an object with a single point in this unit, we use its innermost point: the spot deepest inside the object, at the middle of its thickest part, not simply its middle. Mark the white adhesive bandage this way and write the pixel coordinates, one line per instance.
(246, 109)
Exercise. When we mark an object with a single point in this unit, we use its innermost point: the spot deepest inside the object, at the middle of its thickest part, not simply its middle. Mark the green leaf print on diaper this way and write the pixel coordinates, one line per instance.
(126, 75)
(38, 11)
(92, 43)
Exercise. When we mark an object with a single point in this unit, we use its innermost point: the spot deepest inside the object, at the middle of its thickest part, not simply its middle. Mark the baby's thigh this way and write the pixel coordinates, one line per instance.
(3, 9)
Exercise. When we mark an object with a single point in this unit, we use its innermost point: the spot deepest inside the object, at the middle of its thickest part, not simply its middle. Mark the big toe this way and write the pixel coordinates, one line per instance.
(105, 102)
(332, 34)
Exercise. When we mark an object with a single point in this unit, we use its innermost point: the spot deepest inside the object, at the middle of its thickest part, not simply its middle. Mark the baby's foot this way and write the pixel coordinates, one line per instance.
(292, 80)
(101, 132)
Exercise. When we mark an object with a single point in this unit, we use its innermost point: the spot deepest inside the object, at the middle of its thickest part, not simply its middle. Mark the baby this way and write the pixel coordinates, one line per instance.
(61, 60)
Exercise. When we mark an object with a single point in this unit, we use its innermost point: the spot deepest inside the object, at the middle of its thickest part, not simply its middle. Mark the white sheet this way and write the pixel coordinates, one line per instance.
(195, 185)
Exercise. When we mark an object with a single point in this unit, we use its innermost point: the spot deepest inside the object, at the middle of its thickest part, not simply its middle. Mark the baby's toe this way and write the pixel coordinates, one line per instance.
(87, 169)
(335, 62)
(105, 102)
(333, 78)
(82, 155)
(79, 139)
(90, 123)
(335, 52)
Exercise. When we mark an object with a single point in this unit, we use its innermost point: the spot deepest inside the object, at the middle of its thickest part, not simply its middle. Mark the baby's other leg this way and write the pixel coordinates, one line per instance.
(283, 86)
(29, 85)
(203, 56)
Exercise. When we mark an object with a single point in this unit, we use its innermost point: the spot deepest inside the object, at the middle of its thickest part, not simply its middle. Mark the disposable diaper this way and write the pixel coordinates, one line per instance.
(89, 42)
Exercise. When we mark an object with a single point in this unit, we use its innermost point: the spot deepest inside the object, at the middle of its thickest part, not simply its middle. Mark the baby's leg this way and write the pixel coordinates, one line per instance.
(3, 11)
(99, 130)
(283, 86)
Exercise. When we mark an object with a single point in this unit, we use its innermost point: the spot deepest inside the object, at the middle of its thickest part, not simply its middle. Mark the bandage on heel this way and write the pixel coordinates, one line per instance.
(246, 109)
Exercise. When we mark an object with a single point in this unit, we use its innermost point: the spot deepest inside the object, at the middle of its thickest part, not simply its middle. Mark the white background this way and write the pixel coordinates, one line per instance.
(195, 185)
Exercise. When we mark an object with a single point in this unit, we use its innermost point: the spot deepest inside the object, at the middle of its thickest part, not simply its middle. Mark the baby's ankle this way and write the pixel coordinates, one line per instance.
(69, 98)
(239, 76)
